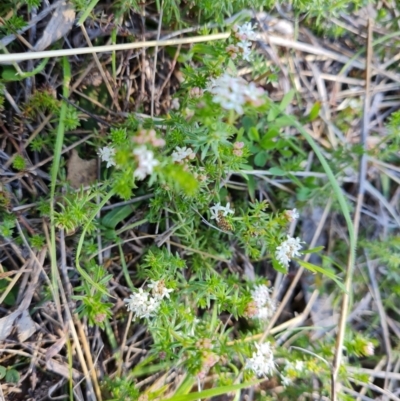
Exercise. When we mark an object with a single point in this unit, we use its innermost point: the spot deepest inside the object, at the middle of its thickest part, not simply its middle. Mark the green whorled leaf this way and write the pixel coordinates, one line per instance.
(261, 159)
(272, 132)
(111, 219)
(3, 372)
(211, 392)
(267, 143)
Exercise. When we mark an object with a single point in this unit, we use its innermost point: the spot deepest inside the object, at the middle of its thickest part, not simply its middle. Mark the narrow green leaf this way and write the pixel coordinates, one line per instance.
(211, 392)
(314, 112)
(273, 114)
(314, 250)
(111, 219)
(10, 74)
(204, 49)
(253, 134)
(325, 272)
(287, 99)
(87, 11)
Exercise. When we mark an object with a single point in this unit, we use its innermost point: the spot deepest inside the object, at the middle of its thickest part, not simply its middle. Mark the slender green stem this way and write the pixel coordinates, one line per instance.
(125, 269)
(54, 173)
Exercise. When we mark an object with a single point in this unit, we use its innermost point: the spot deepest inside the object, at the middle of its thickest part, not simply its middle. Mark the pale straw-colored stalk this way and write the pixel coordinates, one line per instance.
(7, 58)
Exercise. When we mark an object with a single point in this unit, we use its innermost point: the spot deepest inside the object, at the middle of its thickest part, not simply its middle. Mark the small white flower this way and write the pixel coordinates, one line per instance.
(288, 250)
(107, 154)
(180, 154)
(146, 162)
(227, 209)
(146, 305)
(292, 214)
(159, 290)
(141, 304)
(369, 349)
(262, 361)
(245, 31)
(224, 209)
(214, 211)
(228, 91)
(265, 305)
(245, 47)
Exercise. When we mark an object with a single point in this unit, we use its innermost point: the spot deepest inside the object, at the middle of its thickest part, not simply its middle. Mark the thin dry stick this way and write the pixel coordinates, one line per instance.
(153, 79)
(178, 50)
(298, 274)
(382, 314)
(360, 199)
(109, 48)
(89, 359)
(120, 361)
(100, 67)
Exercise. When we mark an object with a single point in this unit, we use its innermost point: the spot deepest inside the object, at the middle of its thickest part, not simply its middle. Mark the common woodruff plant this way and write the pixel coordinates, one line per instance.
(204, 313)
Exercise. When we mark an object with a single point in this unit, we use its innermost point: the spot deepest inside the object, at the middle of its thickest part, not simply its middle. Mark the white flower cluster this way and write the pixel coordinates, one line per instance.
(265, 306)
(146, 162)
(145, 305)
(232, 93)
(244, 33)
(107, 154)
(262, 361)
(218, 208)
(181, 154)
(287, 250)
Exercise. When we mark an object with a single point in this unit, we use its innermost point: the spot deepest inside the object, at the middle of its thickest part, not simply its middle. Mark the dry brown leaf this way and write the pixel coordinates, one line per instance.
(25, 326)
(62, 369)
(60, 24)
(55, 348)
(81, 172)
(7, 324)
